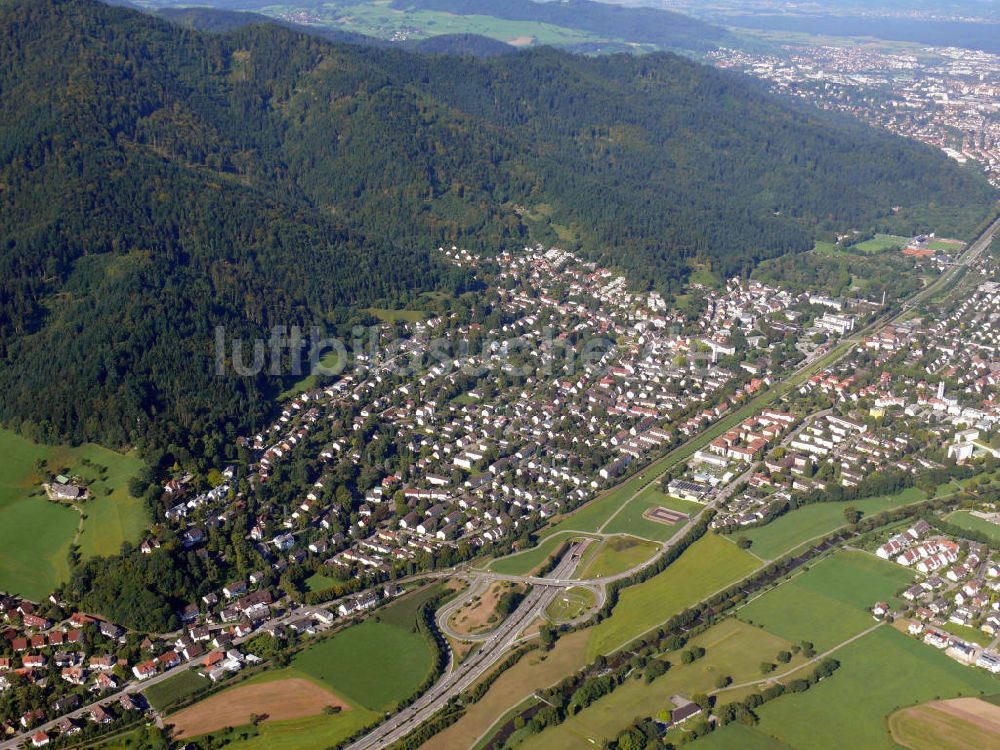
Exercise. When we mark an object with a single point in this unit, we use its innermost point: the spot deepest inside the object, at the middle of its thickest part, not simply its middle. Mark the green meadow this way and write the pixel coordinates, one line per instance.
(377, 663)
(819, 519)
(828, 603)
(710, 564)
(965, 520)
(35, 534)
(879, 673)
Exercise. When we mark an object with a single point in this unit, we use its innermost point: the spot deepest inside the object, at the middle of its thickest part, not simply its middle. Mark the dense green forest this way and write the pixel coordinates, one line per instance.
(156, 182)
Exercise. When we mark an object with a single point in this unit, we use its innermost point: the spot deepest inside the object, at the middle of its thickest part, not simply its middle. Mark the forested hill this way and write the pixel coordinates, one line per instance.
(156, 182)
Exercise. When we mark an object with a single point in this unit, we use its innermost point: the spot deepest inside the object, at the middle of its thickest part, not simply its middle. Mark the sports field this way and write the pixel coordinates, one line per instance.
(732, 648)
(827, 603)
(377, 663)
(879, 673)
(957, 724)
(629, 519)
(706, 566)
(616, 555)
(810, 521)
(966, 520)
(35, 534)
(881, 243)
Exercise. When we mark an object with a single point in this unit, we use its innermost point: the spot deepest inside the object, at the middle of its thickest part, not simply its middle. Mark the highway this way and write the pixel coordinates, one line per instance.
(544, 589)
(458, 678)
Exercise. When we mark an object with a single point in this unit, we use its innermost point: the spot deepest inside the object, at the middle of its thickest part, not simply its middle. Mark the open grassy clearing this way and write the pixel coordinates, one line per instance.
(174, 688)
(706, 566)
(330, 362)
(629, 519)
(570, 604)
(35, 534)
(391, 316)
(320, 582)
(731, 648)
(379, 19)
(879, 673)
(957, 724)
(810, 521)
(827, 604)
(881, 243)
(377, 663)
(966, 520)
(535, 670)
(286, 695)
(616, 555)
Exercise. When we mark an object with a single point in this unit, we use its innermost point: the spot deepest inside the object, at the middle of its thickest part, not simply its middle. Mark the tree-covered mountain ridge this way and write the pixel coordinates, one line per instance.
(156, 182)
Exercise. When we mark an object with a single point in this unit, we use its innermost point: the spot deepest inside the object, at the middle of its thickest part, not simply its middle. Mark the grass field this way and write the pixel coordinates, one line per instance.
(881, 243)
(320, 582)
(810, 521)
(708, 565)
(975, 635)
(966, 520)
(618, 554)
(174, 688)
(827, 604)
(35, 535)
(879, 673)
(377, 663)
(731, 648)
(523, 563)
(959, 724)
(570, 604)
(739, 737)
(630, 521)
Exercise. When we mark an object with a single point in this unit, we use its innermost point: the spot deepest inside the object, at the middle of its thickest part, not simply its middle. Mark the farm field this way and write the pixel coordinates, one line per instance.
(630, 521)
(616, 555)
(792, 529)
(879, 673)
(309, 733)
(732, 648)
(282, 695)
(536, 669)
(35, 534)
(827, 604)
(957, 724)
(570, 604)
(374, 664)
(706, 566)
(966, 520)
(174, 688)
